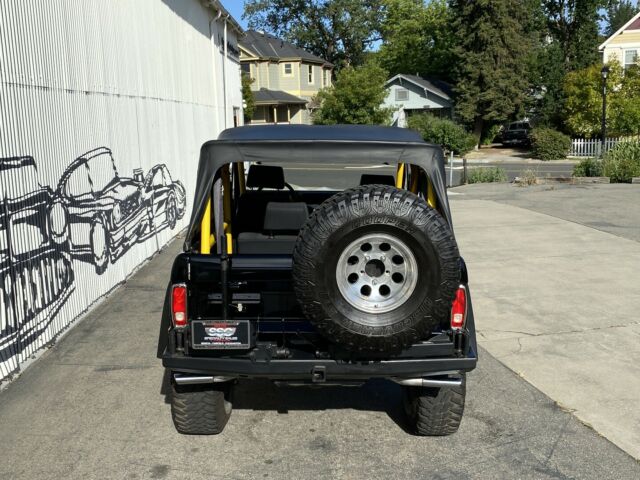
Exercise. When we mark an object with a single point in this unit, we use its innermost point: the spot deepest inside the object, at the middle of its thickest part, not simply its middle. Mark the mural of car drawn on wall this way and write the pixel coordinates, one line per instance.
(36, 272)
(94, 215)
(108, 213)
(165, 198)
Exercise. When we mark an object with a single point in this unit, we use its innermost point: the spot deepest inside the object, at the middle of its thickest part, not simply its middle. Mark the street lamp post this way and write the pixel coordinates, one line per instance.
(605, 73)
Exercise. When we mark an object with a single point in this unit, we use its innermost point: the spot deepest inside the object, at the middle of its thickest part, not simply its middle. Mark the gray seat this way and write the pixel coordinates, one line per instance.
(282, 222)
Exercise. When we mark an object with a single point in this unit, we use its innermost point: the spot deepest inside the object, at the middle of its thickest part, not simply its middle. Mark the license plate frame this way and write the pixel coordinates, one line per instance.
(220, 334)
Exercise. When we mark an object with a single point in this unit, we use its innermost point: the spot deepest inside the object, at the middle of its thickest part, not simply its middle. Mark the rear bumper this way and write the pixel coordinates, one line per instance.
(306, 369)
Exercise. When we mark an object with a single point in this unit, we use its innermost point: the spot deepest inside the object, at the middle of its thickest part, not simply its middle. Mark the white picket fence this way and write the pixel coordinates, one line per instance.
(582, 147)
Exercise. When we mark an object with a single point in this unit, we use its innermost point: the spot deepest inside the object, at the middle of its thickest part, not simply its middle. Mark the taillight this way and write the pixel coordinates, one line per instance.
(459, 309)
(179, 305)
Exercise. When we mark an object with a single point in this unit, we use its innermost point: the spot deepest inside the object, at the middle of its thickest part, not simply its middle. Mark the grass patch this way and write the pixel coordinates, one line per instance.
(487, 175)
(527, 178)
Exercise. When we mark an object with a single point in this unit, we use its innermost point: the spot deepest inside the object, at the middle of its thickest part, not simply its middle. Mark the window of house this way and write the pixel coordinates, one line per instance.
(326, 77)
(630, 58)
(310, 73)
(247, 69)
(288, 69)
(402, 95)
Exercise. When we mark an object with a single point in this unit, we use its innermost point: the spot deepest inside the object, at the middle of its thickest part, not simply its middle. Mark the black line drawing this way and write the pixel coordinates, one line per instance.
(166, 199)
(108, 213)
(36, 273)
(94, 216)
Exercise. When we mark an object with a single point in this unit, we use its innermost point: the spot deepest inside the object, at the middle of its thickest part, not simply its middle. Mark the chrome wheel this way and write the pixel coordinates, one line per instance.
(377, 273)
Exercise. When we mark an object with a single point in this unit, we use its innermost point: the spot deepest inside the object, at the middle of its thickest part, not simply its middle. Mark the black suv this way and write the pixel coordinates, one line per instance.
(517, 133)
(319, 287)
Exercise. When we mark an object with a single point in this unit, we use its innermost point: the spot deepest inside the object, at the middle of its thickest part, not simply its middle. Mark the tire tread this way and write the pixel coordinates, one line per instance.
(199, 409)
(354, 204)
(436, 411)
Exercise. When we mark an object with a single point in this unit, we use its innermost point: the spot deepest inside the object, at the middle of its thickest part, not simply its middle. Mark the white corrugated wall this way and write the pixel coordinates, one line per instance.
(140, 85)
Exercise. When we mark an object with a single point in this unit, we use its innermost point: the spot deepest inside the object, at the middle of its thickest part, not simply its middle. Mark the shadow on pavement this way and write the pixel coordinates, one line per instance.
(374, 396)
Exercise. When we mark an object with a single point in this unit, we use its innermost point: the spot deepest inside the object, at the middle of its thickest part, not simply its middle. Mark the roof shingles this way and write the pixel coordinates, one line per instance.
(276, 97)
(264, 45)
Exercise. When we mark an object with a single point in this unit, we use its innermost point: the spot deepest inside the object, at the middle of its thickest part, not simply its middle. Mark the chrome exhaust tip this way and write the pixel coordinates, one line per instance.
(183, 379)
(429, 382)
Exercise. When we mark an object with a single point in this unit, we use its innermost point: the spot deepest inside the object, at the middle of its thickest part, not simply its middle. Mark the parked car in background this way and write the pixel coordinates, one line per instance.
(107, 214)
(516, 133)
(36, 273)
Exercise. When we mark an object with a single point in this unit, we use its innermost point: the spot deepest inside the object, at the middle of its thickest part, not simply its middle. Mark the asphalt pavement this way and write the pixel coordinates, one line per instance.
(95, 405)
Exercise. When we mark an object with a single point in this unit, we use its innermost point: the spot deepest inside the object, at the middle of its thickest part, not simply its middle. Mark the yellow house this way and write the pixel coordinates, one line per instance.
(285, 78)
(624, 45)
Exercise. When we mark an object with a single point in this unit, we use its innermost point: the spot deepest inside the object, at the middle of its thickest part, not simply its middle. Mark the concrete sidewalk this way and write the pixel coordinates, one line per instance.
(557, 302)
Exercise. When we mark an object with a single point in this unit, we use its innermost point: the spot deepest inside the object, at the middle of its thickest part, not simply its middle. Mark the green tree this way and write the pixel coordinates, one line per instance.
(619, 12)
(247, 97)
(417, 38)
(546, 74)
(567, 39)
(444, 132)
(574, 25)
(355, 98)
(491, 68)
(583, 109)
(340, 31)
(583, 105)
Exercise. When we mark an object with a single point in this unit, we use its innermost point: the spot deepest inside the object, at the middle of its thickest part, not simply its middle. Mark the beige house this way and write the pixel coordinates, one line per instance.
(285, 78)
(624, 45)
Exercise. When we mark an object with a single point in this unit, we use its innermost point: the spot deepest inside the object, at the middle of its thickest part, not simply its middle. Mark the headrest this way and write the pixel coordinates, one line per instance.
(369, 179)
(281, 216)
(265, 176)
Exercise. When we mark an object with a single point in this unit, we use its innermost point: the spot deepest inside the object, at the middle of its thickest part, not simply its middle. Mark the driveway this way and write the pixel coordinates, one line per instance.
(95, 405)
(555, 272)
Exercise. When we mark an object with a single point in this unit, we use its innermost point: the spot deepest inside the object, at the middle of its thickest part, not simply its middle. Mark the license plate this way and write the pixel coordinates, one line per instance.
(218, 334)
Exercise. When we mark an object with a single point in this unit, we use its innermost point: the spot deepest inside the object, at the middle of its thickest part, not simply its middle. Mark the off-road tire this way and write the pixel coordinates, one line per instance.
(434, 411)
(379, 210)
(200, 409)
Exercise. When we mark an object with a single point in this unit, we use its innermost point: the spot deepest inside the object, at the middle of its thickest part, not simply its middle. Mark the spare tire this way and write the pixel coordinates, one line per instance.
(375, 269)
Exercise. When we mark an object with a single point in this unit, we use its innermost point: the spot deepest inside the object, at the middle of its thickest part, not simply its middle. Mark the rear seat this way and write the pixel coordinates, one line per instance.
(252, 204)
(282, 222)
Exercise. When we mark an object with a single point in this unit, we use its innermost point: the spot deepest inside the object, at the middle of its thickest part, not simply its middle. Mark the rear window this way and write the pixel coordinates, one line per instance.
(332, 176)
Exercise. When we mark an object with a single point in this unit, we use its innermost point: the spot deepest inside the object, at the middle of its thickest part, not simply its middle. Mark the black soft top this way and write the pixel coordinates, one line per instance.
(315, 144)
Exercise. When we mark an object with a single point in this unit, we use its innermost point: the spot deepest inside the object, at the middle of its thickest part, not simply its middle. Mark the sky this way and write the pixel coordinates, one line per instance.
(235, 8)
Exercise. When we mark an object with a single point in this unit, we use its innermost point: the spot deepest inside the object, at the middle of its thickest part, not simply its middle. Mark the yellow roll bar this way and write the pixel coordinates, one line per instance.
(431, 194)
(207, 240)
(205, 229)
(400, 176)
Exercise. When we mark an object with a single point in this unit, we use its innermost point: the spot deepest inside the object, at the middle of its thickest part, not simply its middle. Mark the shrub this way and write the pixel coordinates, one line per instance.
(451, 136)
(487, 175)
(528, 177)
(490, 135)
(589, 167)
(549, 144)
(622, 162)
